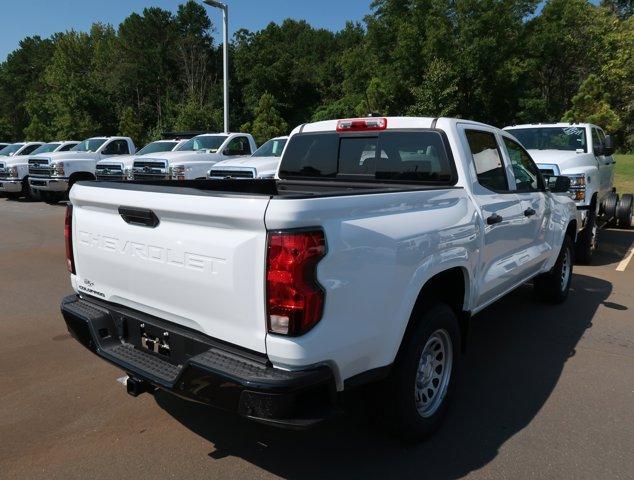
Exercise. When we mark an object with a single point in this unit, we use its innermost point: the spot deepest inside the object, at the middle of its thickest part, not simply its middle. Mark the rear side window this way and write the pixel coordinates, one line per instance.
(487, 160)
(391, 156)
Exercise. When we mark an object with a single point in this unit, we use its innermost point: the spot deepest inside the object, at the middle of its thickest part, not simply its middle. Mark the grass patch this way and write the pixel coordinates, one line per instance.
(624, 173)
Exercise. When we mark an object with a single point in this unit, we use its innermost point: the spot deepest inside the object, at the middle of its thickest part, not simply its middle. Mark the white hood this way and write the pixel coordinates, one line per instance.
(126, 161)
(564, 159)
(178, 157)
(52, 156)
(263, 165)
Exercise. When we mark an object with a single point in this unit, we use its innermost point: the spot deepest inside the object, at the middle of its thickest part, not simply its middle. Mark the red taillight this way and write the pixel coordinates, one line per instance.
(295, 300)
(68, 237)
(361, 124)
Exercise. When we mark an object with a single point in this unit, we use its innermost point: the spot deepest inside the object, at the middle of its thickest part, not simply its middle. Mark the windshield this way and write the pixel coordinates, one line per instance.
(272, 148)
(10, 149)
(88, 145)
(157, 147)
(203, 142)
(552, 138)
(47, 147)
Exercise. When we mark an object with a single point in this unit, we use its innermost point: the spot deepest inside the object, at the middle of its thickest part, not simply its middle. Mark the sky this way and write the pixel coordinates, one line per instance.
(24, 18)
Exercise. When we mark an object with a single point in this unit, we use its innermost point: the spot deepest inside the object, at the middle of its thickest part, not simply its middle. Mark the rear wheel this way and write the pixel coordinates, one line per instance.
(419, 388)
(554, 286)
(624, 210)
(52, 198)
(609, 206)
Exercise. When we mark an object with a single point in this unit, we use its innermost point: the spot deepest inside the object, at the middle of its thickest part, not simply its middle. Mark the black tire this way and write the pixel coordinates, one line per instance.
(52, 198)
(29, 193)
(624, 210)
(13, 195)
(552, 286)
(402, 391)
(609, 206)
(588, 239)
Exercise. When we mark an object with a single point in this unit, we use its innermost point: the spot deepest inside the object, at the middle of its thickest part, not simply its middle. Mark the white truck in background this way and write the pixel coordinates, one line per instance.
(53, 174)
(583, 153)
(14, 169)
(262, 164)
(119, 169)
(193, 159)
(363, 262)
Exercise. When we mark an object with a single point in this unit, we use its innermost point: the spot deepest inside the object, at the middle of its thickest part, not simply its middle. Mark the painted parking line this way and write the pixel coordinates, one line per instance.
(626, 260)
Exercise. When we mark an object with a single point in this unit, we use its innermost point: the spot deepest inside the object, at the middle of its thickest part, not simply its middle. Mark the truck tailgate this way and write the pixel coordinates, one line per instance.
(202, 266)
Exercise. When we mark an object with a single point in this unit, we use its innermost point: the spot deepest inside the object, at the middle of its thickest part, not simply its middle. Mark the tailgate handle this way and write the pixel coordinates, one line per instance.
(142, 217)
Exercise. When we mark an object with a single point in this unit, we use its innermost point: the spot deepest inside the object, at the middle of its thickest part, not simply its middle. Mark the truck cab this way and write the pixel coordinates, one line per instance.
(193, 158)
(583, 153)
(53, 174)
(14, 168)
(119, 168)
(262, 164)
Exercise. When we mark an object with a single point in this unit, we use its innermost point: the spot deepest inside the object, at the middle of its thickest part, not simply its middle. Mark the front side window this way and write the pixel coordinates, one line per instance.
(203, 142)
(29, 149)
(238, 146)
(272, 148)
(155, 147)
(552, 138)
(89, 145)
(390, 156)
(117, 147)
(47, 147)
(487, 160)
(527, 176)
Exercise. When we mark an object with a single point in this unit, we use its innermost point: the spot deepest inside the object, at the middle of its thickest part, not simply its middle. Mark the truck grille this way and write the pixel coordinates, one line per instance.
(150, 170)
(39, 166)
(113, 173)
(227, 173)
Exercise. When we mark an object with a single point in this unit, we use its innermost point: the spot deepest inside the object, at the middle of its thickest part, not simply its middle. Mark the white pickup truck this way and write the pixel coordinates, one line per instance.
(12, 170)
(194, 158)
(262, 164)
(14, 179)
(117, 169)
(53, 174)
(362, 263)
(583, 153)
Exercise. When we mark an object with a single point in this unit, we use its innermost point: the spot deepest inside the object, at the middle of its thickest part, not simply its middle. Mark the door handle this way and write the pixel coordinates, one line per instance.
(493, 219)
(529, 212)
(139, 216)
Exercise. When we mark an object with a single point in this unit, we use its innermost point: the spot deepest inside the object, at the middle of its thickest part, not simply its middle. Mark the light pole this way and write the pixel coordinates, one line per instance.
(225, 55)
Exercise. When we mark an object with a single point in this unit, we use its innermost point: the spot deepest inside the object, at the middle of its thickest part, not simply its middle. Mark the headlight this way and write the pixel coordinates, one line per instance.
(57, 169)
(578, 187)
(177, 172)
(12, 172)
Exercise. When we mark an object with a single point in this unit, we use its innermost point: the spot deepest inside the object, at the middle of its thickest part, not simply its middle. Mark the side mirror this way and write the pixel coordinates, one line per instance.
(558, 184)
(608, 145)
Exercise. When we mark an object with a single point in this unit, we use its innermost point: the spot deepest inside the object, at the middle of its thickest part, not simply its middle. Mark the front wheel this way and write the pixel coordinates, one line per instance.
(554, 286)
(52, 198)
(29, 193)
(419, 388)
(588, 239)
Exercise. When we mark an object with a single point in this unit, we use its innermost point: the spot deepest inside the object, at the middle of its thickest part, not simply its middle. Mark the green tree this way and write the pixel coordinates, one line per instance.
(437, 95)
(131, 126)
(591, 105)
(267, 122)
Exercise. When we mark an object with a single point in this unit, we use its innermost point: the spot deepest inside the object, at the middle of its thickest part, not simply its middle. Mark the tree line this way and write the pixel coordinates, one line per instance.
(497, 61)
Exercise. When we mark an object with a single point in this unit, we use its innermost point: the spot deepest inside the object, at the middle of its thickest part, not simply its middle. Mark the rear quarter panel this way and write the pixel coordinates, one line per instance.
(381, 249)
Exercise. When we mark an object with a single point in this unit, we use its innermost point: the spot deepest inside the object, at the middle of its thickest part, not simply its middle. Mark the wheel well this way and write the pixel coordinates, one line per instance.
(450, 287)
(572, 230)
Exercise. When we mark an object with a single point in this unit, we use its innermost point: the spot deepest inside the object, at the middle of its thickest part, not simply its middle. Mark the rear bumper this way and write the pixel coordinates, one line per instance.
(199, 368)
(10, 186)
(49, 184)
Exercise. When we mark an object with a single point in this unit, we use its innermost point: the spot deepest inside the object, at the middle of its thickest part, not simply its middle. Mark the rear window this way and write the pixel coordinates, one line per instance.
(391, 156)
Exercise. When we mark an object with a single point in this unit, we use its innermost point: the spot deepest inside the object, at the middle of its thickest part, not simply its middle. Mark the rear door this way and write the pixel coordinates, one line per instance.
(502, 260)
(200, 264)
(530, 189)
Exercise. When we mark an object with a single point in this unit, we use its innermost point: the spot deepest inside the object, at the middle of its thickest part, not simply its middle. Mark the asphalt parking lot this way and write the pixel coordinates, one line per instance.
(545, 392)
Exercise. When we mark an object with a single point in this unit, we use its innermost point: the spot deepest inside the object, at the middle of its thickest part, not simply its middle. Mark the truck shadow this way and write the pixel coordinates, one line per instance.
(516, 354)
(613, 246)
